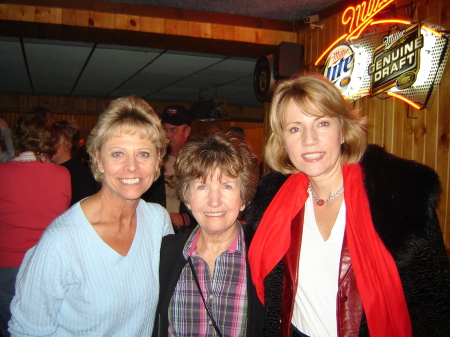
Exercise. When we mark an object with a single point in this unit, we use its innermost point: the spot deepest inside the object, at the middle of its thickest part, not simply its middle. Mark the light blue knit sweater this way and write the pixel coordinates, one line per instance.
(72, 283)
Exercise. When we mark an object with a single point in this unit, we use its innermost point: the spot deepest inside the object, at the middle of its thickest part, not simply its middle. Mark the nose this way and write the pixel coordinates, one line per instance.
(131, 164)
(309, 136)
(214, 197)
(169, 134)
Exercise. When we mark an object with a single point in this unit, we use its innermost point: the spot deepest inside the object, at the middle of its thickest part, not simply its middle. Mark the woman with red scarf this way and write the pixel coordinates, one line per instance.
(347, 242)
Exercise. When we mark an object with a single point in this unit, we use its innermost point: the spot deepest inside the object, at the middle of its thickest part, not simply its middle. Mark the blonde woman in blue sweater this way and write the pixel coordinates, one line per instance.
(95, 270)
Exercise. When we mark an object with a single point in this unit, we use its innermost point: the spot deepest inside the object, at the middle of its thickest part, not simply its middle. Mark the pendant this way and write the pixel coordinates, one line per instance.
(320, 202)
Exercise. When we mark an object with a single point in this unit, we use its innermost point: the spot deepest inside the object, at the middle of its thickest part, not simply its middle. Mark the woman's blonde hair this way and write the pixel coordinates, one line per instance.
(317, 96)
(202, 155)
(126, 115)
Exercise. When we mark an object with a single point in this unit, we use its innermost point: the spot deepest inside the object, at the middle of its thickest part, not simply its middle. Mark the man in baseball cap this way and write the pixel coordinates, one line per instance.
(176, 115)
(176, 122)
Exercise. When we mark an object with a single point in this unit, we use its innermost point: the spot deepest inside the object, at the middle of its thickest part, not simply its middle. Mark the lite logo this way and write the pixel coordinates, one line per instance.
(339, 66)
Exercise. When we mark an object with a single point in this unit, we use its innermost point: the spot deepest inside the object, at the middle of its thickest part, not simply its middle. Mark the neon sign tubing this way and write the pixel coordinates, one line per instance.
(391, 21)
(357, 93)
(363, 20)
(432, 31)
(404, 99)
(329, 48)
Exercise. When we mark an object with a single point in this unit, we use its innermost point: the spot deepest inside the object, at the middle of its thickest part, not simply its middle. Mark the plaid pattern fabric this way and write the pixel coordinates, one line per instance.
(225, 293)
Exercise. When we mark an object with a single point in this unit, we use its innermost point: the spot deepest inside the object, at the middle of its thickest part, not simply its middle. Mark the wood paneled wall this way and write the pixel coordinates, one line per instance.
(421, 135)
(86, 110)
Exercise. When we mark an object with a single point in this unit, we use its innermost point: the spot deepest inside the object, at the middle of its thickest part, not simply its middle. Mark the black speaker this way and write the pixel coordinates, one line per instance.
(263, 80)
(288, 60)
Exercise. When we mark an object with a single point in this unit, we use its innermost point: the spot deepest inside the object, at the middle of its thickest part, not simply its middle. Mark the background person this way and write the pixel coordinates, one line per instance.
(33, 193)
(349, 243)
(216, 176)
(176, 122)
(83, 182)
(237, 130)
(82, 156)
(6, 143)
(95, 270)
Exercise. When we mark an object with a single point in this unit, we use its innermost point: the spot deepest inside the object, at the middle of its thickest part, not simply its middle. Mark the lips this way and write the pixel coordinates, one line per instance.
(130, 181)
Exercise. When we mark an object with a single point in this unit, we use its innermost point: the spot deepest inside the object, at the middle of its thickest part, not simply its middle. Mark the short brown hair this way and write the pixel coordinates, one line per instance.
(129, 115)
(35, 131)
(200, 156)
(315, 95)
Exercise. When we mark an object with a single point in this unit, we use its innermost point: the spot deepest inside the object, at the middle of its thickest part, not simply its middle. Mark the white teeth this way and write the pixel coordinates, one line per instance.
(130, 181)
(215, 214)
(312, 155)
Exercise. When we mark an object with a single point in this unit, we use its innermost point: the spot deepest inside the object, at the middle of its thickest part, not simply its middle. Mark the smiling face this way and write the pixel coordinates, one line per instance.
(313, 143)
(128, 163)
(215, 203)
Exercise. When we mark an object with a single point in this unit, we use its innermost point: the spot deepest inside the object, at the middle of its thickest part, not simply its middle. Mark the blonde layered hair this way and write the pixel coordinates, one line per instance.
(314, 95)
(128, 115)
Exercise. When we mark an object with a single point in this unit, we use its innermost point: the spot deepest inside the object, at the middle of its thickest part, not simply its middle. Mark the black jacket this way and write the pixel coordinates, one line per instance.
(403, 196)
(171, 265)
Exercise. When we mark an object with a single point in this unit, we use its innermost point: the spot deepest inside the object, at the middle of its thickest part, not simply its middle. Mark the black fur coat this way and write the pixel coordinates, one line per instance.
(403, 196)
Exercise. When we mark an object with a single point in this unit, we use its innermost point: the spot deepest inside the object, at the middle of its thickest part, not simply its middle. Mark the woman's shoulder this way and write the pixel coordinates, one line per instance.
(268, 186)
(155, 218)
(42, 170)
(64, 230)
(388, 171)
(68, 223)
(153, 208)
(175, 239)
(172, 246)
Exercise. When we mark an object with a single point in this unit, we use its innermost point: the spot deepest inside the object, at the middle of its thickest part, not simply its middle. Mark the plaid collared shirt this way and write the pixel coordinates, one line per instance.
(225, 293)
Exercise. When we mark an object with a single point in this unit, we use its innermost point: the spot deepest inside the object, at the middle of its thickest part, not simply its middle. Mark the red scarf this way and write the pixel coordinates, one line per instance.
(376, 273)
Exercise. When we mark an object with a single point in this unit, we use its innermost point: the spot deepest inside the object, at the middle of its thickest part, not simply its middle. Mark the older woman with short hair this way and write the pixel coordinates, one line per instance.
(95, 270)
(347, 241)
(206, 287)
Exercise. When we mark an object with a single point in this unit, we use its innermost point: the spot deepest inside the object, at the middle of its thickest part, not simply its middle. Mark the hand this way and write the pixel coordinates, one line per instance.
(176, 219)
(3, 124)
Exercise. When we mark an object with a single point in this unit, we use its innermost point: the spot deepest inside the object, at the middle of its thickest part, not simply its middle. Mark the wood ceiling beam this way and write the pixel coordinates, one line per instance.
(66, 24)
(160, 12)
(131, 38)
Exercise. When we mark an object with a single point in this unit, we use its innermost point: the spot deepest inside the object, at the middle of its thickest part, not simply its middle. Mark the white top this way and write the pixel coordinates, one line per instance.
(315, 300)
(172, 200)
(73, 284)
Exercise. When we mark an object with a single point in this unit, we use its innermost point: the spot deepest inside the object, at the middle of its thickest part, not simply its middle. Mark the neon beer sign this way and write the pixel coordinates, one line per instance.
(399, 58)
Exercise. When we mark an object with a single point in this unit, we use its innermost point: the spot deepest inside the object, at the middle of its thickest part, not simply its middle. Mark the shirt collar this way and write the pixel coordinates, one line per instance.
(28, 156)
(238, 244)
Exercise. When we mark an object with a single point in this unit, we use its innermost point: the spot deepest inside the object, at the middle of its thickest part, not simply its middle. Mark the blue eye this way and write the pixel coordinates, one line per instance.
(201, 187)
(117, 154)
(144, 154)
(294, 129)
